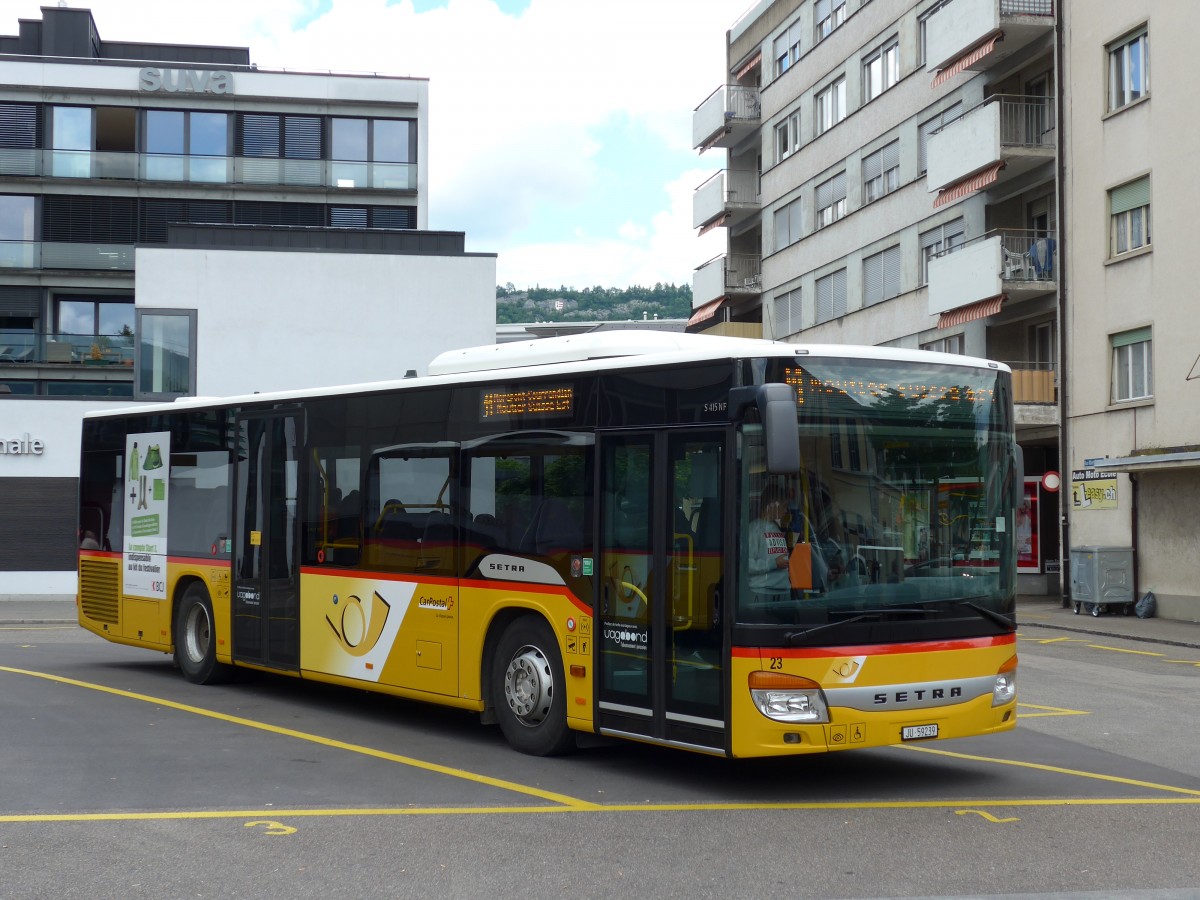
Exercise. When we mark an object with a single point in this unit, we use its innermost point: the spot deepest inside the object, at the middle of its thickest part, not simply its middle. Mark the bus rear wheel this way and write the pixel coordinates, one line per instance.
(529, 689)
(196, 640)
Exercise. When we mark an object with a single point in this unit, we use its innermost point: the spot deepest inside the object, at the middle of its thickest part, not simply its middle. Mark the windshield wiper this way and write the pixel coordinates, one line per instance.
(998, 618)
(792, 636)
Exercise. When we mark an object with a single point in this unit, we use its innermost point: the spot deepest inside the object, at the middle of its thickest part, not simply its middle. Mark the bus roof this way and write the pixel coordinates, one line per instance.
(572, 355)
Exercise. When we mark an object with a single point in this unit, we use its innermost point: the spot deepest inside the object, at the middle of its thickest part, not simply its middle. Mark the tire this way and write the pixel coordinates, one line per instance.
(195, 639)
(529, 689)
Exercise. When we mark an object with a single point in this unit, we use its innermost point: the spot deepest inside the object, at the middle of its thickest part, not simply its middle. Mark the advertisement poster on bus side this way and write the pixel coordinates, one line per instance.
(147, 481)
(1029, 552)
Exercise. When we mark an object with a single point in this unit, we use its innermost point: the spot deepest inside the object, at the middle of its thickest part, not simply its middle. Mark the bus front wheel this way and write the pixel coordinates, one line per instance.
(195, 639)
(529, 689)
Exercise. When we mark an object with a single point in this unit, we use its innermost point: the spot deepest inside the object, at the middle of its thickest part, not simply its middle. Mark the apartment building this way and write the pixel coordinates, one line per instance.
(900, 173)
(175, 220)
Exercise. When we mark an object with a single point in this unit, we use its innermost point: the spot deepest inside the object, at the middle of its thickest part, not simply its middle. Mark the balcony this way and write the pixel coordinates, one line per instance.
(732, 276)
(23, 348)
(84, 164)
(62, 255)
(980, 35)
(729, 115)
(728, 198)
(991, 145)
(1017, 264)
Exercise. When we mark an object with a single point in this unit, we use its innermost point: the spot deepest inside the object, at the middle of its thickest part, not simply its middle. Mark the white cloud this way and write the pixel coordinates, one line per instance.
(518, 105)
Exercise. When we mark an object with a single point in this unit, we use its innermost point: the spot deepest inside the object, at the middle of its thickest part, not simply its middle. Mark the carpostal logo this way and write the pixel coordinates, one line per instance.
(436, 603)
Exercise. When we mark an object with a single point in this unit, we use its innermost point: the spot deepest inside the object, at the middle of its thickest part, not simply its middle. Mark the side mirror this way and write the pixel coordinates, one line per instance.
(776, 405)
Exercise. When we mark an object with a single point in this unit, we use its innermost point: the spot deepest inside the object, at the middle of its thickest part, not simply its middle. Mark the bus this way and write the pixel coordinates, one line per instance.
(737, 547)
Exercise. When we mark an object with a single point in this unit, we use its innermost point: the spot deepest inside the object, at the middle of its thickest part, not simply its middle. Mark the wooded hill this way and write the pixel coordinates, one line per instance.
(538, 304)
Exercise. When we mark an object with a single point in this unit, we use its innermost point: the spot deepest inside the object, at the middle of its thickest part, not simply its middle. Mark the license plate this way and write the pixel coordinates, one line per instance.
(918, 732)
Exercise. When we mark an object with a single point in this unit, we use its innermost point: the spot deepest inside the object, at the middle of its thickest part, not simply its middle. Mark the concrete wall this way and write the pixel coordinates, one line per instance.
(277, 320)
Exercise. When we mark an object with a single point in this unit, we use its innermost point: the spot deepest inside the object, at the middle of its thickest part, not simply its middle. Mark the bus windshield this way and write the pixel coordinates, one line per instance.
(899, 524)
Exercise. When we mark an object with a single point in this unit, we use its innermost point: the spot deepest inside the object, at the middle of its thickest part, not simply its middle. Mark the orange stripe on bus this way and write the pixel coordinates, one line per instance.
(874, 649)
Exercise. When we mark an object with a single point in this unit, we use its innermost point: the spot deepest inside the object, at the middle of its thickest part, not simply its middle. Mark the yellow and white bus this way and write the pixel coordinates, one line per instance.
(567, 536)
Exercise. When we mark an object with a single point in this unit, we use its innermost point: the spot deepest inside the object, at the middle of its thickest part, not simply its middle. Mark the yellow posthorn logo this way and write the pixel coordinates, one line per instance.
(356, 629)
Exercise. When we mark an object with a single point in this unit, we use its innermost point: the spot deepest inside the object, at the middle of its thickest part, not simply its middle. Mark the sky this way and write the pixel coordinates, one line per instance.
(560, 131)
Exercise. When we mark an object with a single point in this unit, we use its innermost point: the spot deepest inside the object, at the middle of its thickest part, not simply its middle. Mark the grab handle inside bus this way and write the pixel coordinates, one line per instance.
(776, 405)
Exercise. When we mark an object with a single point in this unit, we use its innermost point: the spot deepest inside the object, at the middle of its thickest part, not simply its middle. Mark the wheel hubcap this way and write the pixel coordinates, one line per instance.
(198, 634)
(529, 685)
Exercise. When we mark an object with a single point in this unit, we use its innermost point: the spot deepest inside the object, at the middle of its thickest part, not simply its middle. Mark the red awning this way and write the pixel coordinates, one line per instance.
(978, 310)
(715, 223)
(705, 312)
(968, 185)
(968, 59)
(712, 141)
(754, 61)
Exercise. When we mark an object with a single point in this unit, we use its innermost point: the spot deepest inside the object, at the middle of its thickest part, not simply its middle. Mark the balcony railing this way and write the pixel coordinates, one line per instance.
(1034, 382)
(209, 169)
(1028, 255)
(66, 349)
(727, 116)
(63, 255)
(1026, 7)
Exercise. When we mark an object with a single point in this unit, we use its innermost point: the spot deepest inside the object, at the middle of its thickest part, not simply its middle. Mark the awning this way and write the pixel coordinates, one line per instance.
(712, 141)
(968, 59)
(715, 223)
(754, 61)
(1148, 462)
(968, 185)
(706, 312)
(978, 310)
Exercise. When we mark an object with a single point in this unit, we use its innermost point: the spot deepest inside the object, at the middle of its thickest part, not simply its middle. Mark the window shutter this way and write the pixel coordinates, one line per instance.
(260, 136)
(393, 217)
(89, 220)
(154, 217)
(839, 186)
(872, 279)
(19, 126)
(839, 293)
(302, 137)
(825, 194)
(1129, 196)
(348, 216)
(891, 156)
(19, 300)
(873, 165)
(825, 290)
(1137, 336)
(891, 272)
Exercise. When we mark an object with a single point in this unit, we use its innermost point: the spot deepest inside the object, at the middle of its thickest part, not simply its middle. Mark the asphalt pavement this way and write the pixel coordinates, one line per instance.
(1045, 612)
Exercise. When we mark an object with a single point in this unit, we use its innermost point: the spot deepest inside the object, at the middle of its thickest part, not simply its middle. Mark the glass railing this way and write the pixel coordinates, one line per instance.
(62, 255)
(388, 176)
(66, 349)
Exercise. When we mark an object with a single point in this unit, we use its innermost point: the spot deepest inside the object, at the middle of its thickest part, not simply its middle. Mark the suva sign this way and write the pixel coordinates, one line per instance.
(185, 81)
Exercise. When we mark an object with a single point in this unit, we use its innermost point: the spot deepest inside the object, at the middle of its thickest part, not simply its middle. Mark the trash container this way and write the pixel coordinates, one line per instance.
(1102, 579)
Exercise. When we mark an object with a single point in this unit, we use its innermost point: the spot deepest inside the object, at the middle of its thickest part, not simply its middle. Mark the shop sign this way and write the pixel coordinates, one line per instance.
(21, 446)
(1093, 490)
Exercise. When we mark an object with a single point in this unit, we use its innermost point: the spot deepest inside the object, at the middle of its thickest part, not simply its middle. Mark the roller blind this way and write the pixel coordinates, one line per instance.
(1129, 196)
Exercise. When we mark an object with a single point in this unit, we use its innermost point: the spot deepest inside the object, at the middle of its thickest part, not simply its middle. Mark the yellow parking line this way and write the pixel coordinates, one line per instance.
(278, 815)
(1059, 770)
(553, 797)
(1123, 650)
(1047, 711)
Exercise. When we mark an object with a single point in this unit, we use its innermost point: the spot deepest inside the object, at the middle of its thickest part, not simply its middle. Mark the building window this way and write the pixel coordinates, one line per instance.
(881, 276)
(787, 49)
(923, 26)
(952, 343)
(186, 146)
(831, 200)
(831, 296)
(787, 313)
(1129, 217)
(20, 138)
(165, 359)
(787, 137)
(827, 16)
(831, 105)
(372, 153)
(881, 172)
(881, 70)
(928, 127)
(18, 234)
(943, 239)
(1128, 70)
(787, 225)
(1132, 366)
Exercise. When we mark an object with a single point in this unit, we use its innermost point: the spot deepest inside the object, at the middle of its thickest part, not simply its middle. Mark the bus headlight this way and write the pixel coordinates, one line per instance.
(788, 698)
(1005, 689)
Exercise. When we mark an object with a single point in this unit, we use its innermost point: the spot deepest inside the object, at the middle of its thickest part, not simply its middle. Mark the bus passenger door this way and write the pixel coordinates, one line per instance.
(266, 573)
(660, 653)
